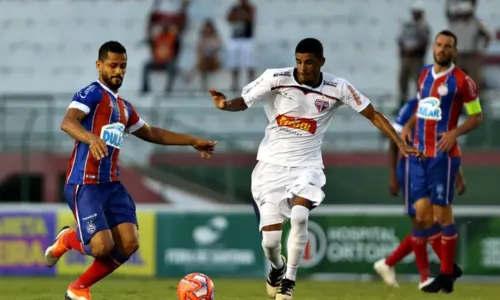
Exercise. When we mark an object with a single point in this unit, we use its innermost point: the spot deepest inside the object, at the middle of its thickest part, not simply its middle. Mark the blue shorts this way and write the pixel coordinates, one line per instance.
(434, 178)
(98, 207)
(403, 173)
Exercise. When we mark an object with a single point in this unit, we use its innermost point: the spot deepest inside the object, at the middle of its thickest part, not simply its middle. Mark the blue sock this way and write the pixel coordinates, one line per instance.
(435, 229)
(118, 256)
(449, 230)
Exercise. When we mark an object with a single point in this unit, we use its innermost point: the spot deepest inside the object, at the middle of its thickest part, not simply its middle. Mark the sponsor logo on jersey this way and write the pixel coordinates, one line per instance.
(287, 73)
(429, 109)
(304, 124)
(330, 83)
(471, 86)
(84, 93)
(321, 104)
(112, 134)
(354, 94)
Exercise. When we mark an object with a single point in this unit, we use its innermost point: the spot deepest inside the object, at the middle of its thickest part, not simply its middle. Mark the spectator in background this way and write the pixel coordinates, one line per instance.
(207, 53)
(165, 50)
(472, 36)
(241, 17)
(413, 43)
(453, 5)
(167, 12)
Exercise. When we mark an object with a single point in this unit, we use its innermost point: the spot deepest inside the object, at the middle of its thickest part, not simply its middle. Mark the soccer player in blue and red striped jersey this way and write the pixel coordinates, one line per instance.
(444, 90)
(97, 118)
(400, 174)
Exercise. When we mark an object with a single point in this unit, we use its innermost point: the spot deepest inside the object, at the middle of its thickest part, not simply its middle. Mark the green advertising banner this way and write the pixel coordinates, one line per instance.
(218, 244)
(351, 244)
(479, 244)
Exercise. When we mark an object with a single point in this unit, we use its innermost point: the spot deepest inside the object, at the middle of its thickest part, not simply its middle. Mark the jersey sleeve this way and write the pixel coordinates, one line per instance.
(258, 89)
(470, 97)
(135, 122)
(352, 98)
(404, 115)
(86, 99)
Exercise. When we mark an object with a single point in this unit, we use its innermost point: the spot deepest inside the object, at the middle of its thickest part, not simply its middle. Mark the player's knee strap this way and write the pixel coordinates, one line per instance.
(271, 239)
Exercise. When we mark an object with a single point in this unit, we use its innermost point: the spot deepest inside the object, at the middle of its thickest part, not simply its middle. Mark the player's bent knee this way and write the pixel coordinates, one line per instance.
(130, 247)
(299, 215)
(102, 243)
(443, 214)
(271, 239)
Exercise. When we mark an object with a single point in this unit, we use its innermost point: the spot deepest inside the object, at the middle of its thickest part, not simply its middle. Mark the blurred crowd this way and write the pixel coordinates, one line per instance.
(169, 18)
(167, 23)
(416, 37)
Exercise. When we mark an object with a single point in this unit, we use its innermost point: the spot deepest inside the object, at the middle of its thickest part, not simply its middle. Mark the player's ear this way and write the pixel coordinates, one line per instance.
(98, 65)
(323, 60)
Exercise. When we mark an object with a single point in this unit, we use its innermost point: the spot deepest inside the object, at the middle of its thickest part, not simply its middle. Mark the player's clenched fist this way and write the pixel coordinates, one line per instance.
(98, 148)
(218, 98)
(205, 147)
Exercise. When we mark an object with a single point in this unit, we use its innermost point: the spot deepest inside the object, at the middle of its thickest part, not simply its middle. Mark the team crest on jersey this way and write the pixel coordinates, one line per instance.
(321, 105)
(429, 109)
(443, 90)
(112, 134)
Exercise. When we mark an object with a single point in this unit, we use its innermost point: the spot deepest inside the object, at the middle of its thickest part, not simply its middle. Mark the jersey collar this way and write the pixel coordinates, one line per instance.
(107, 89)
(436, 76)
(319, 86)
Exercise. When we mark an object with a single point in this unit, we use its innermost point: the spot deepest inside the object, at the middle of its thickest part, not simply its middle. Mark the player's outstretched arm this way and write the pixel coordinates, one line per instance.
(393, 162)
(161, 136)
(72, 125)
(220, 101)
(386, 127)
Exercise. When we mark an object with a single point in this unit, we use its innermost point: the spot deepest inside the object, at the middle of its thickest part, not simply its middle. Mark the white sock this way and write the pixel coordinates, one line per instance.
(297, 239)
(271, 243)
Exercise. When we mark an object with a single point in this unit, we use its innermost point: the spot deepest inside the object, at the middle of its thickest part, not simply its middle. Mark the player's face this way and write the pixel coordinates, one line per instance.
(112, 70)
(308, 67)
(444, 49)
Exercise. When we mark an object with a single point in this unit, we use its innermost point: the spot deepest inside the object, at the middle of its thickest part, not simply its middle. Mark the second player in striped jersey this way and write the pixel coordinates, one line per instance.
(444, 90)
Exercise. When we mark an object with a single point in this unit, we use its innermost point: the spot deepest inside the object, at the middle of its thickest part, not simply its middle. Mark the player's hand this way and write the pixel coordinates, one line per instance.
(98, 148)
(406, 134)
(393, 186)
(460, 186)
(448, 139)
(205, 147)
(409, 150)
(218, 98)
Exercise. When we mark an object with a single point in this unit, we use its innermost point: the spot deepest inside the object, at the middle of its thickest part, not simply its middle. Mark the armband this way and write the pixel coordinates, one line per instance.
(473, 107)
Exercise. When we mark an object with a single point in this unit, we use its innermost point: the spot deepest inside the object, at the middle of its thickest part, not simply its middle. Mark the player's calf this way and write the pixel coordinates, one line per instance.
(271, 244)
(422, 230)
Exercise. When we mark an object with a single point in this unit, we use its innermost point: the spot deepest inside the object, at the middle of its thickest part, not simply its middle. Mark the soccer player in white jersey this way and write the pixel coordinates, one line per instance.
(286, 183)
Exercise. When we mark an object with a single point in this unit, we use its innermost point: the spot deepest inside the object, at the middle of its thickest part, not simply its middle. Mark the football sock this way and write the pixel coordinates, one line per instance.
(448, 248)
(71, 241)
(271, 243)
(100, 268)
(419, 246)
(435, 239)
(404, 248)
(297, 239)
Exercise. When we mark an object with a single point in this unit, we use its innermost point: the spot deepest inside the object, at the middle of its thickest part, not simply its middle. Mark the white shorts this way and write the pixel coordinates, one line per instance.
(274, 186)
(240, 53)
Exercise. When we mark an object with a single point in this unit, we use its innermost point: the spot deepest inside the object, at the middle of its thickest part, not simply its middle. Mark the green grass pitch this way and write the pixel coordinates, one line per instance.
(226, 289)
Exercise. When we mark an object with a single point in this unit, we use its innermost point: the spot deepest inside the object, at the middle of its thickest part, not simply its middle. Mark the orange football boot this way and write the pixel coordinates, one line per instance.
(57, 249)
(75, 294)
